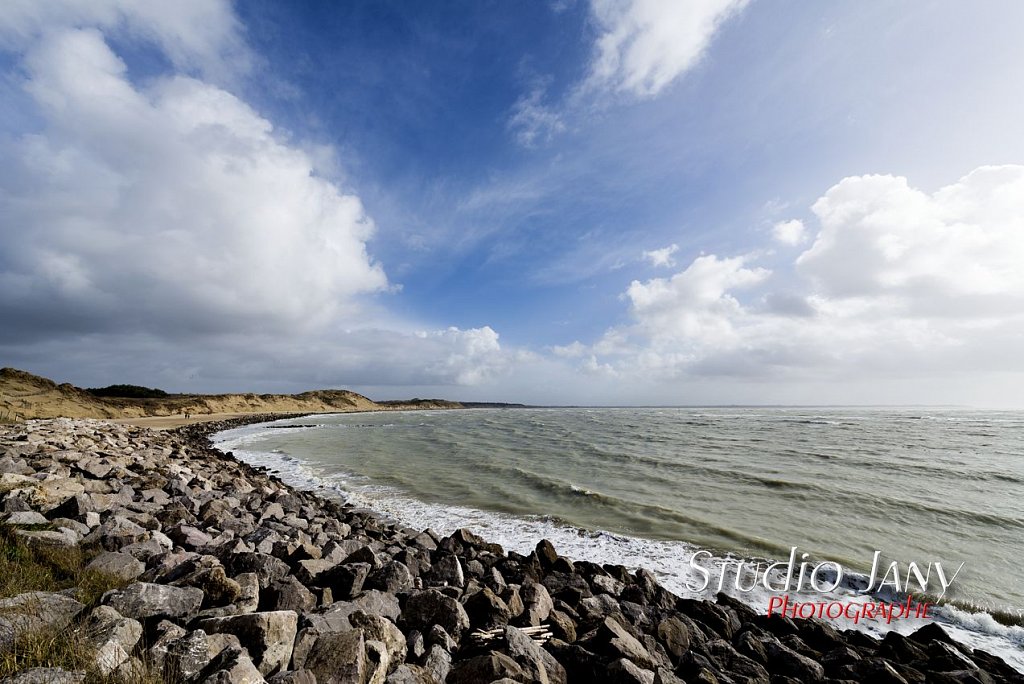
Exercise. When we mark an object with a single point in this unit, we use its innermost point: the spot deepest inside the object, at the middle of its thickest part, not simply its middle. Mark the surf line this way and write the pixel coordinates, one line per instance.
(822, 577)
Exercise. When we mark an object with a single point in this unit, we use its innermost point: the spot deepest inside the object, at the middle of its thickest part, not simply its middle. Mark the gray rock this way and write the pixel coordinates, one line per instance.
(33, 611)
(249, 588)
(338, 658)
(346, 580)
(166, 634)
(438, 663)
(143, 600)
(392, 577)
(383, 630)
(377, 662)
(486, 610)
(615, 641)
(293, 677)
(537, 662)
(117, 564)
(409, 674)
(674, 635)
(431, 607)
(287, 594)
(25, 519)
(233, 666)
(623, 671)
(537, 603)
(486, 668)
(45, 675)
(446, 571)
(269, 637)
(112, 636)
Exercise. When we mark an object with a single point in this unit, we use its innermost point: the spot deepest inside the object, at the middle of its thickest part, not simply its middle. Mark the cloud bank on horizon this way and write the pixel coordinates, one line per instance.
(193, 199)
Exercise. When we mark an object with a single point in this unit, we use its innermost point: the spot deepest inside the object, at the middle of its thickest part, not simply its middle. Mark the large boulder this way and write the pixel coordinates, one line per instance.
(143, 600)
(268, 636)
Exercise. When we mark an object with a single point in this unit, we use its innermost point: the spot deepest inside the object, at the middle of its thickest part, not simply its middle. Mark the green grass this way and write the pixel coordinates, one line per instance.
(31, 567)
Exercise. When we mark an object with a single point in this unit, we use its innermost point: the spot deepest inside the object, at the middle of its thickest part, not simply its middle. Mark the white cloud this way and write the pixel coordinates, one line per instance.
(898, 283)
(662, 257)
(959, 247)
(174, 205)
(789, 232)
(196, 35)
(646, 44)
(694, 305)
(533, 121)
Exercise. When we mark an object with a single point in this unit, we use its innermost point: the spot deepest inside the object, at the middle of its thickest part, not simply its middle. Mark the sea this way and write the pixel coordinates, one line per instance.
(693, 493)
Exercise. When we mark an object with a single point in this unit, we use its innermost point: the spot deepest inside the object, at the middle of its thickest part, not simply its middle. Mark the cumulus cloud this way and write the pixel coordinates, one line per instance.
(646, 44)
(662, 257)
(201, 36)
(897, 281)
(959, 247)
(171, 205)
(789, 232)
(165, 232)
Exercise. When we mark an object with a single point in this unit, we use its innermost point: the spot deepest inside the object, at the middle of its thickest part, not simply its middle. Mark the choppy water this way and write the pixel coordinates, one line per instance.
(648, 487)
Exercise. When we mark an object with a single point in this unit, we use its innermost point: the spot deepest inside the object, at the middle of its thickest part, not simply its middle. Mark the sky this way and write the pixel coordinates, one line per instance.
(608, 202)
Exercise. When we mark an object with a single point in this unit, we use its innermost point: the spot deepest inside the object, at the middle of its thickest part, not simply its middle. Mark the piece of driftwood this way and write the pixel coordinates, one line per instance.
(540, 634)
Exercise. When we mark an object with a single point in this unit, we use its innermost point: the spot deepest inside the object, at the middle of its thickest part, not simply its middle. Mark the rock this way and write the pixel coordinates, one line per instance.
(674, 635)
(486, 668)
(338, 658)
(431, 607)
(33, 611)
(784, 661)
(287, 594)
(117, 564)
(25, 519)
(269, 636)
(392, 577)
(143, 600)
(378, 628)
(486, 610)
(377, 662)
(663, 676)
(249, 592)
(113, 636)
(45, 675)
(446, 572)
(438, 663)
(538, 663)
(266, 567)
(293, 677)
(345, 580)
(410, 674)
(218, 589)
(188, 656)
(166, 634)
(233, 666)
(537, 603)
(623, 671)
(614, 641)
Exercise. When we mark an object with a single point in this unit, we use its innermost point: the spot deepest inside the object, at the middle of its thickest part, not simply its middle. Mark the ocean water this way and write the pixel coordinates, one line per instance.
(651, 487)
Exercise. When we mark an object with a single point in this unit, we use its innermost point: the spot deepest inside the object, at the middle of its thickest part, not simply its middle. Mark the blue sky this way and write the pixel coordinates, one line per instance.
(712, 201)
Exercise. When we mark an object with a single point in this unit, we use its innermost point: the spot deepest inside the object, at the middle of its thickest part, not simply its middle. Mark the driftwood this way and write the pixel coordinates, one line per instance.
(540, 634)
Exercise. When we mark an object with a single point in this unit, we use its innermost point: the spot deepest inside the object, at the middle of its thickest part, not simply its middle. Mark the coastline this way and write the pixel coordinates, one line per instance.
(270, 580)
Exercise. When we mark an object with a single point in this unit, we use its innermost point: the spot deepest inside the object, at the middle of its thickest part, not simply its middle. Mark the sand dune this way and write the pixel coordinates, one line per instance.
(24, 396)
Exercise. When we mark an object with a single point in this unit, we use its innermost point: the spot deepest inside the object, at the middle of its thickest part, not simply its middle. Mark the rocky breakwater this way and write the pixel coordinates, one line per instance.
(221, 573)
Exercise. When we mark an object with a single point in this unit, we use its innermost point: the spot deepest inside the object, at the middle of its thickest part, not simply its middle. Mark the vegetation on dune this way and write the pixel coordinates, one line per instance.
(127, 392)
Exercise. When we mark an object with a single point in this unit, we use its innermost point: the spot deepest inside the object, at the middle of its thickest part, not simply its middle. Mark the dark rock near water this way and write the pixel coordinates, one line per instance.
(236, 578)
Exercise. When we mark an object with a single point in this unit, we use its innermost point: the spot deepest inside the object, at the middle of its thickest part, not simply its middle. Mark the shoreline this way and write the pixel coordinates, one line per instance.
(275, 580)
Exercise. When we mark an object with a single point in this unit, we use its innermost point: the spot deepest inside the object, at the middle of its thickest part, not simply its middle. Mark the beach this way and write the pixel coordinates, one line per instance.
(232, 575)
